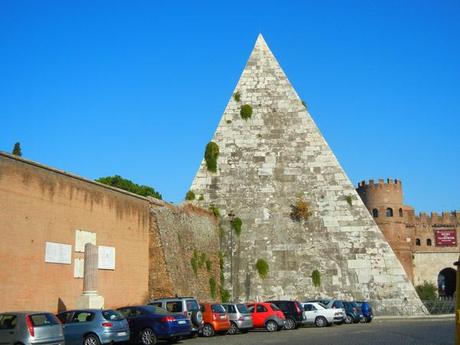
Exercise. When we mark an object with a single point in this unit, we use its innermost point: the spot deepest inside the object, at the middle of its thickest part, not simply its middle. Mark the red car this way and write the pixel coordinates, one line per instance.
(266, 315)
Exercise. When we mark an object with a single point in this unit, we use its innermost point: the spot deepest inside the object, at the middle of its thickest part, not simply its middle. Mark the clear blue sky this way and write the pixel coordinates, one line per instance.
(137, 88)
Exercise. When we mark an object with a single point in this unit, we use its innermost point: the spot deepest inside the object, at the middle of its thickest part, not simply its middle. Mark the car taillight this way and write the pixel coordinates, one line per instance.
(185, 314)
(107, 324)
(168, 319)
(214, 317)
(30, 326)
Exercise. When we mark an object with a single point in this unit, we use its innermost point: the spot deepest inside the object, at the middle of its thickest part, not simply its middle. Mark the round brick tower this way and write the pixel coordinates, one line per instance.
(384, 200)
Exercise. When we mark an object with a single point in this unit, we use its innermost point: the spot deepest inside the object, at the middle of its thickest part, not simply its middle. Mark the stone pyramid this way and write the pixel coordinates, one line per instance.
(273, 166)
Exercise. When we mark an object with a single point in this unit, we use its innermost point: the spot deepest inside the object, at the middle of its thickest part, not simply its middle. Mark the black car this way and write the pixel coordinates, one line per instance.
(293, 312)
(352, 312)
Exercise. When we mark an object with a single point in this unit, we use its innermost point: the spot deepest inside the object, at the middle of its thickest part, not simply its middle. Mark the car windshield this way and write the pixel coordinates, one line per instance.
(337, 304)
(192, 305)
(274, 306)
(217, 308)
(242, 308)
(156, 310)
(112, 315)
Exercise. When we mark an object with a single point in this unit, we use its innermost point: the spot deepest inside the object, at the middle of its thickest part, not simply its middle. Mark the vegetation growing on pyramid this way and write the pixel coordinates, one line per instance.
(201, 198)
(304, 104)
(194, 262)
(349, 200)
(224, 294)
(125, 184)
(300, 210)
(237, 96)
(246, 111)
(215, 210)
(316, 278)
(262, 268)
(17, 150)
(211, 154)
(190, 195)
(208, 265)
(236, 225)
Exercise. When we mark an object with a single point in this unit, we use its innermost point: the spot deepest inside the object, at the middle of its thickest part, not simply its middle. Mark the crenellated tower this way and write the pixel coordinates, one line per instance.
(384, 200)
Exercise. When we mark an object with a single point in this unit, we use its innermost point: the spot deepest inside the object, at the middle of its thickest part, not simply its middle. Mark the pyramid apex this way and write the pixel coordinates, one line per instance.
(261, 41)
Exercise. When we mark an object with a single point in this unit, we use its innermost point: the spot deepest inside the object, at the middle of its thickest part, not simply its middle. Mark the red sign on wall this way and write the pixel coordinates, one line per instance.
(446, 238)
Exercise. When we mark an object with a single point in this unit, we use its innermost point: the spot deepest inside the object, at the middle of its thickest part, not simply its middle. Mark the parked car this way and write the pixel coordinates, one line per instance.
(188, 306)
(317, 314)
(366, 311)
(30, 328)
(215, 319)
(239, 316)
(266, 315)
(293, 313)
(93, 327)
(352, 312)
(148, 324)
(333, 304)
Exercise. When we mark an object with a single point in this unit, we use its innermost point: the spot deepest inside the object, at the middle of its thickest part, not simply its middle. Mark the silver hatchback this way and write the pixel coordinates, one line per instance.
(30, 328)
(240, 318)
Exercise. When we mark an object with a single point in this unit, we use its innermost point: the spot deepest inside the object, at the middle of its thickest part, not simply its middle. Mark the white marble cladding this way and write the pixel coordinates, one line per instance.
(265, 164)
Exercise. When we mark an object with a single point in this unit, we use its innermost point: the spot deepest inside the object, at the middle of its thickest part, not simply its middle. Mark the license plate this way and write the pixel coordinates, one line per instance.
(122, 334)
(181, 322)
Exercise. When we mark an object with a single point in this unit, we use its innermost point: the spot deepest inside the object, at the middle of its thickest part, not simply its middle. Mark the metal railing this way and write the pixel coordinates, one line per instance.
(440, 306)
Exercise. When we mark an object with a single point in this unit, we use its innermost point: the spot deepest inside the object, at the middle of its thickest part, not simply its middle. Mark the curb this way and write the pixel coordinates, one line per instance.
(415, 317)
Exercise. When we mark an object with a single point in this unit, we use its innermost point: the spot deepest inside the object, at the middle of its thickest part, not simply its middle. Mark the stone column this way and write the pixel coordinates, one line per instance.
(90, 298)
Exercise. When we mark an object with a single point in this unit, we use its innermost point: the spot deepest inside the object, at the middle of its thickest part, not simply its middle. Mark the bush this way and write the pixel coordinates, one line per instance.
(427, 291)
(236, 225)
(215, 210)
(237, 96)
(246, 111)
(208, 265)
(212, 287)
(300, 210)
(194, 262)
(225, 295)
(125, 184)
(262, 268)
(211, 154)
(316, 278)
(190, 195)
(17, 150)
(349, 199)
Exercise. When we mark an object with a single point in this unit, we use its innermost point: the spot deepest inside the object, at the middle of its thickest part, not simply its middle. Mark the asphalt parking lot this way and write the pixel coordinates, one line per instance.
(379, 332)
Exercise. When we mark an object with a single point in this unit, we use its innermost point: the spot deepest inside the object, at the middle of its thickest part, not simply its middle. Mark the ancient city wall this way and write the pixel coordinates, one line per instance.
(41, 205)
(187, 243)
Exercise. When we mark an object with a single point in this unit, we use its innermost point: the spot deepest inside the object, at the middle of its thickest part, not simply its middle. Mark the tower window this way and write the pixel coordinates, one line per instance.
(428, 242)
(400, 212)
(389, 212)
(375, 213)
(417, 241)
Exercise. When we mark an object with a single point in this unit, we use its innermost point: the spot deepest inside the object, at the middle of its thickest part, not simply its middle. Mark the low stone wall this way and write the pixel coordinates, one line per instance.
(180, 235)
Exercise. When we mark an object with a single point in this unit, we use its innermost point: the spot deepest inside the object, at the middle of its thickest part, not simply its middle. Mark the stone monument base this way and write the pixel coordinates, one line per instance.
(90, 301)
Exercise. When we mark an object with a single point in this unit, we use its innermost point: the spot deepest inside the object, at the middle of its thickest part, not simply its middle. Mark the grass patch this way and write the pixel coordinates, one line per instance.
(246, 112)
(211, 154)
(262, 268)
(237, 223)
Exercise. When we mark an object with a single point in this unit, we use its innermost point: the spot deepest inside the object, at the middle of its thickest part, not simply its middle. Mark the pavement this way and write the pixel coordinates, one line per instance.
(381, 331)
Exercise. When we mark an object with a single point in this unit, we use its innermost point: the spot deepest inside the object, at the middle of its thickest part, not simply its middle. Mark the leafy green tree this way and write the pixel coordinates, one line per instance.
(426, 291)
(17, 150)
(125, 184)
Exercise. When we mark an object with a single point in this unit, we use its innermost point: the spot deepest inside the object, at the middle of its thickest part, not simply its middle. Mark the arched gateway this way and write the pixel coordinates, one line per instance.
(447, 282)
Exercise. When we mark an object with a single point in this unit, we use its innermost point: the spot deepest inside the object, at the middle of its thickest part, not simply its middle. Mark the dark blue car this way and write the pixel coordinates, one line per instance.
(148, 324)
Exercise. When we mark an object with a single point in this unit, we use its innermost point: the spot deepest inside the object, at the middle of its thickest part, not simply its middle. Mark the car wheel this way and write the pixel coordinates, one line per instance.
(348, 319)
(147, 337)
(271, 326)
(233, 329)
(289, 324)
(91, 339)
(369, 319)
(320, 321)
(207, 330)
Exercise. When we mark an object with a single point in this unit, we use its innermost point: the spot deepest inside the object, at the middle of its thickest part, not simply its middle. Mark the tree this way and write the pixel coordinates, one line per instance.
(17, 150)
(426, 291)
(125, 184)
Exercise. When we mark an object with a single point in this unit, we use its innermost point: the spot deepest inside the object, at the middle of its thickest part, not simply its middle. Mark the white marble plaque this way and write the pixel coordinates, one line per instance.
(78, 268)
(106, 258)
(58, 253)
(83, 237)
